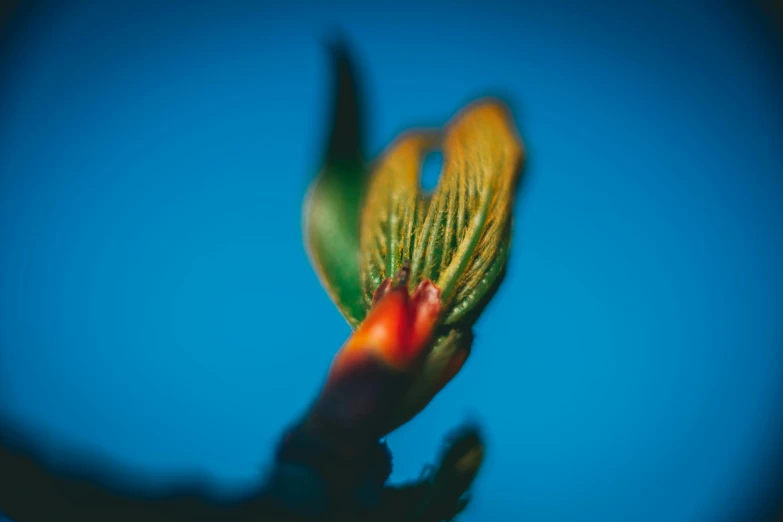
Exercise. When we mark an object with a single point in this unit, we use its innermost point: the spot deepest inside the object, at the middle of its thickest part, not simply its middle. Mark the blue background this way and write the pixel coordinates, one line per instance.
(157, 306)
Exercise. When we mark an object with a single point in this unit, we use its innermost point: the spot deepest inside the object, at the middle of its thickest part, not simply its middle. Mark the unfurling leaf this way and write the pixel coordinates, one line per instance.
(457, 237)
(392, 211)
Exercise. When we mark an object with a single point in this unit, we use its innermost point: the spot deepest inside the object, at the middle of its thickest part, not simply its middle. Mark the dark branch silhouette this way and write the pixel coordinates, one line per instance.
(33, 489)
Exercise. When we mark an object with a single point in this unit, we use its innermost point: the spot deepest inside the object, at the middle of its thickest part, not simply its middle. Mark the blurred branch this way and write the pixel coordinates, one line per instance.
(33, 491)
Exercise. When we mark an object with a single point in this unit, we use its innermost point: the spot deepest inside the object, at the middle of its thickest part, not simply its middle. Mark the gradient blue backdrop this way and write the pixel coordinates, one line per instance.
(156, 303)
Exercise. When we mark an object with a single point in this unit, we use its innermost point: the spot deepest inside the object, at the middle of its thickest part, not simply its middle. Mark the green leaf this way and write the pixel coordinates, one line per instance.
(332, 204)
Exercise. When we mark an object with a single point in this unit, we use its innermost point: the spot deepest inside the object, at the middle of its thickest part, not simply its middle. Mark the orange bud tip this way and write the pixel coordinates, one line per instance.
(426, 305)
(397, 330)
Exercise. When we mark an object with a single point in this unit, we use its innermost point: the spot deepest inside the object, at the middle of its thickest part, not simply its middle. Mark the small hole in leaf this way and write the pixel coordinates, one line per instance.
(430, 170)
